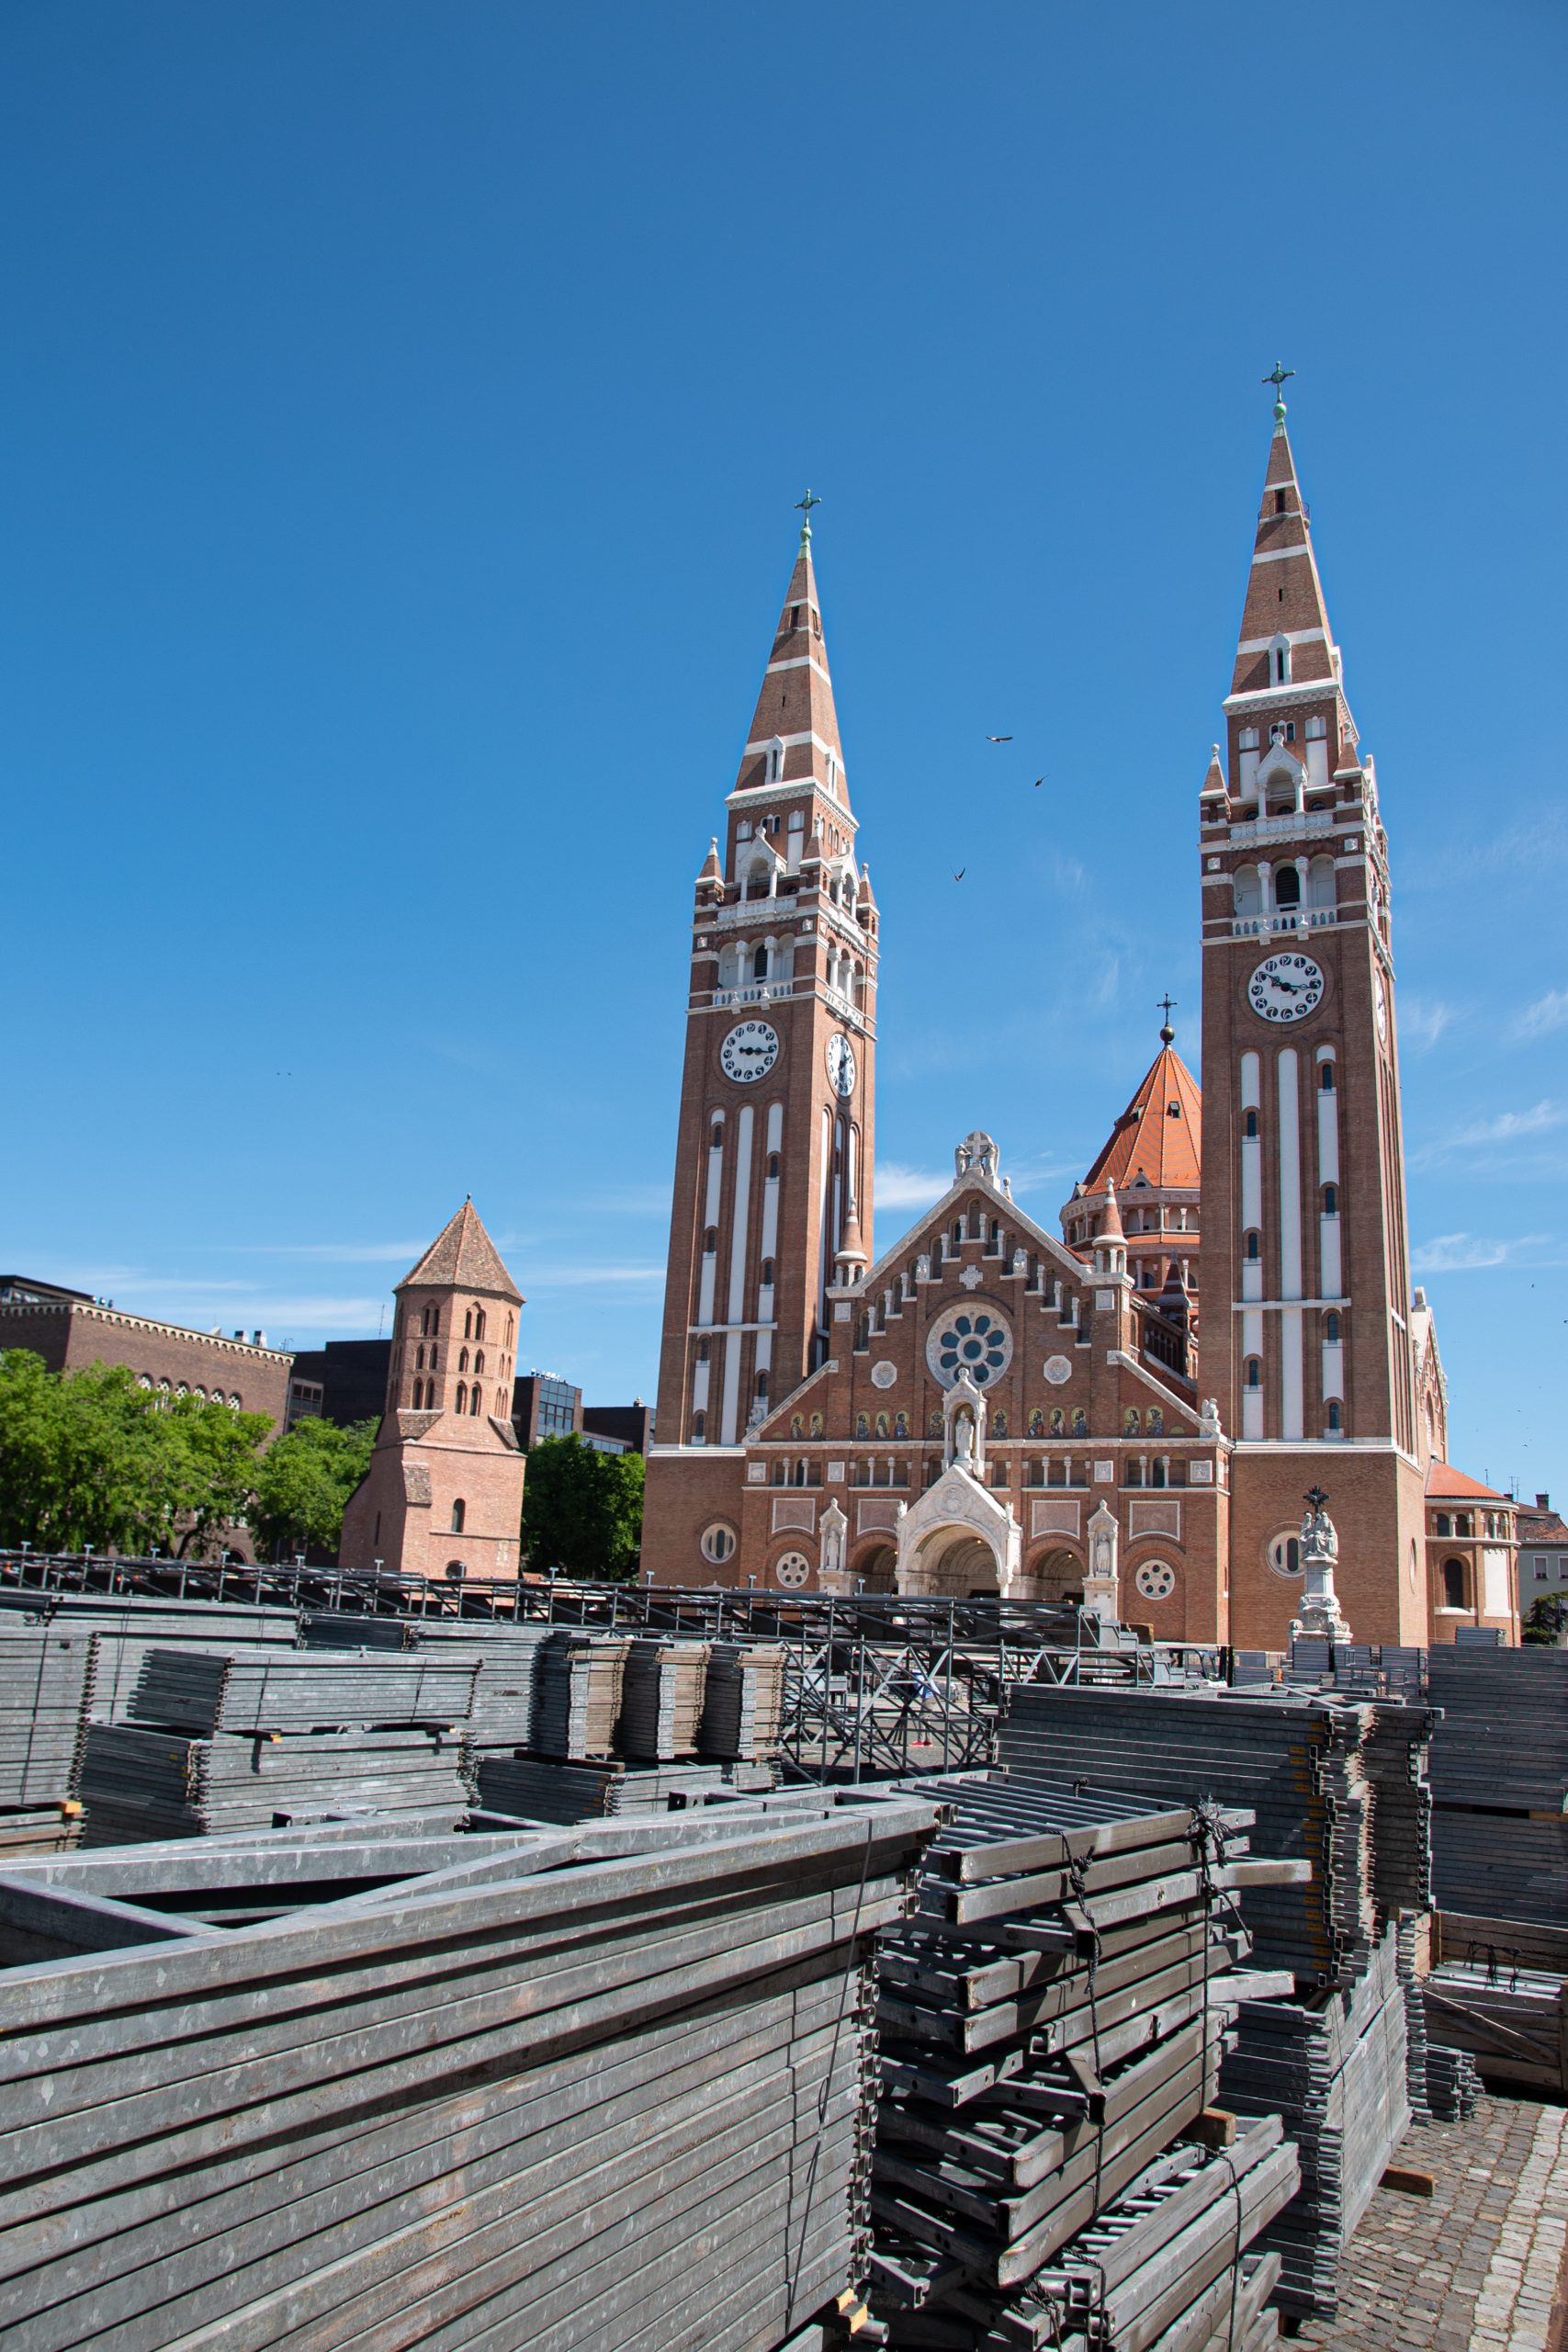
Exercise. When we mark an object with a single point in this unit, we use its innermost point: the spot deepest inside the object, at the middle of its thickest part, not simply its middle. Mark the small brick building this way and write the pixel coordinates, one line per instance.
(444, 1491)
(70, 1331)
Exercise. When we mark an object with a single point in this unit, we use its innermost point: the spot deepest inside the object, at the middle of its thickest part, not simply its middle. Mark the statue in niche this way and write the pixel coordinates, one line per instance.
(833, 1526)
(900, 1424)
(815, 1424)
(882, 1425)
(933, 1426)
(797, 1426)
(1130, 1421)
(1020, 1261)
(922, 1268)
(1209, 1418)
(1081, 1422)
(1058, 1421)
(1037, 1423)
(998, 1424)
(862, 1425)
(963, 1441)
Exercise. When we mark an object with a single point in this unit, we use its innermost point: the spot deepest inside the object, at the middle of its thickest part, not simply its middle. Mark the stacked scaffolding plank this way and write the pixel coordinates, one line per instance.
(1052, 2018)
(1500, 1781)
(46, 1685)
(607, 2087)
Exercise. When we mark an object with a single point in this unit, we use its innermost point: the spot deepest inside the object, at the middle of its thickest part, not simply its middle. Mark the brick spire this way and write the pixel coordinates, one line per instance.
(796, 726)
(1284, 594)
(463, 1257)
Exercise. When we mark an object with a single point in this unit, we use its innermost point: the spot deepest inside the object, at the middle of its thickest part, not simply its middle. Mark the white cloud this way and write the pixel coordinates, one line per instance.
(1463, 1253)
(1422, 1021)
(1548, 1012)
(908, 1188)
(1508, 1125)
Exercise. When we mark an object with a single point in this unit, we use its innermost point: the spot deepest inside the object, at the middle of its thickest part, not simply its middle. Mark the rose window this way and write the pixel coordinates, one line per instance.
(974, 1340)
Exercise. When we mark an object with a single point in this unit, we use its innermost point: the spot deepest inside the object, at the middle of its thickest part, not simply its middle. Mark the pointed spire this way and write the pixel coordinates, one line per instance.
(796, 726)
(1285, 611)
(1110, 1223)
(711, 869)
(1160, 1133)
(463, 1257)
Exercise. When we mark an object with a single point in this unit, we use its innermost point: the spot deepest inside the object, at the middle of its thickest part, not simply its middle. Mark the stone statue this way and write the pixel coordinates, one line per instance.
(1209, 1418)
(978, 1154)
(834, 1524)
(922, 1268)
(1020, 1261)
(1320, 1619)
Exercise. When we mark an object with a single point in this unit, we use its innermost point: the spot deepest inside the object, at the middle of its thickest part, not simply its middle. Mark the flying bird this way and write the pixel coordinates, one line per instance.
(961, 873)
(998, 739)
(1038, 782)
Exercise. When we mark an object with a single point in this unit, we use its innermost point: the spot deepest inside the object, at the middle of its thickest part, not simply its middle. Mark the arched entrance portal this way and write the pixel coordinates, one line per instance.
(956, 1563)
(876, 1568)
(1054, 1576)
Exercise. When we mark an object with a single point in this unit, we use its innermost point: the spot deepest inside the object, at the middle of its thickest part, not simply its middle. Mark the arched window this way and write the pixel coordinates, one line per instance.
(1331, 1200)
(1287, 888)
(436, 1324)
(1331, 1327)
(1249, 1126)
(474, 1402)
(1325, 1077)
(1253, 1247)
(1281, 664)
(462, 1396)
(710, 1239)
(767, 1273)
(469, 1323)
(773, 1163)
(418, 1393)
(433, 1354)
(1453, 1584)
(775, 763)
(759, 965)
(716, 1141)
(462, 1359)
(459, 1513)
(1445, 1525)
(479, 1322)
(1254, 1371)
(478, 1360)
(702, 1352)
(1463, 1525)
(1335, 1416)
(699, 1428)
(762, 1384)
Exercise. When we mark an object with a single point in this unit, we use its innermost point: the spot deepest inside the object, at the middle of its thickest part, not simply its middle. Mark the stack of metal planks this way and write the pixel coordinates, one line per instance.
(46, 1686)
(743, 1701)
(661, 1700)
(207, 1692)
(534, 1788)
(1453, 2085)
(1052, 2018)
(1172, 2263)
(507, 1658)
(1315, 1769)
(1334, 2067)
(126, 1630)
(608, 2086)
(1500, 1781)
(1514, 2021)
(576, 1693)
(137, 1783)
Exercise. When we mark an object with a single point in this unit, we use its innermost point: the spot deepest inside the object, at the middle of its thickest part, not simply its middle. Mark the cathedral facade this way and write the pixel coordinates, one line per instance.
(1129, 1407)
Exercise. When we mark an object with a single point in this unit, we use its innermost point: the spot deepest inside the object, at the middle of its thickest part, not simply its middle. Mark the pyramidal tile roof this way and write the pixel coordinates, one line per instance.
(1159, 1134)
(463, 1257)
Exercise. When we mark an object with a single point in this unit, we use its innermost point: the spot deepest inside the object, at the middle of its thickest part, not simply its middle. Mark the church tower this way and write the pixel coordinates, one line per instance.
(1307, 1336)
(773, 1192)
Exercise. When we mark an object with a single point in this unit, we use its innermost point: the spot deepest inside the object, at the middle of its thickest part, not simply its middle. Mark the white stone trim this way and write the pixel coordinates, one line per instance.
(1289, 637)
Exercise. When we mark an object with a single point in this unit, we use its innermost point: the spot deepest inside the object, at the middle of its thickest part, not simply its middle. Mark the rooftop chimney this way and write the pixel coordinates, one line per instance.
(1543, 1502)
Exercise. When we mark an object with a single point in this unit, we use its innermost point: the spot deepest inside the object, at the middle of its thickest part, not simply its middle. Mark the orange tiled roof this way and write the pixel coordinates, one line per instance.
(1443, 1482)
(1147, 1138)
(464, 1255)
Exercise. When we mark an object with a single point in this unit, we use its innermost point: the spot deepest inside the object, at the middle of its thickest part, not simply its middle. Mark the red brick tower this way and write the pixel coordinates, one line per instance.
(445, 1485)
(1306, 1339)
(773, 1192)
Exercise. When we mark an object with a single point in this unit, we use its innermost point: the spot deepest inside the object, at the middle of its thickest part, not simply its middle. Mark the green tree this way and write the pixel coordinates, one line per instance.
(582, 1510)
(92, 1457)
(1545, 1619)
(303, 1483)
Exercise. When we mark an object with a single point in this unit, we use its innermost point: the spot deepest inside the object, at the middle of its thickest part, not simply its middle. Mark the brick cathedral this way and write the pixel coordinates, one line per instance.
(1132, 1404)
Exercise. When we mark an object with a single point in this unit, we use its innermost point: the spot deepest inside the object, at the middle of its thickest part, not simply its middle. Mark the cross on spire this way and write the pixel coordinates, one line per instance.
(803, 508)
(1279, 377)
(1166, 1005)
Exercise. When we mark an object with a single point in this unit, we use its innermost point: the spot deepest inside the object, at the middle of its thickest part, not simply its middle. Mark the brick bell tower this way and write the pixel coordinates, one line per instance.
(772, 1194)
(1306, 1328)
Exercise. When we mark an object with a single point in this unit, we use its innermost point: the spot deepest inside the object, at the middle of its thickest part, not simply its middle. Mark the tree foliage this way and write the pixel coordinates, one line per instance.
(303, 1483)
(1545, 1619)
(582, 1510)
(91, 1457)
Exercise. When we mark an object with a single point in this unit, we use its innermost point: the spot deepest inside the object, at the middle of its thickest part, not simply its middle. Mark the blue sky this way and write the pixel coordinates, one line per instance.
(404, 408)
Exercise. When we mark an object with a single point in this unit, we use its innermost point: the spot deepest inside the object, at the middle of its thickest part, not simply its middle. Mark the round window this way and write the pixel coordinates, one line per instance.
(974, 1340)
(1156, 1580)
(1284, 1555)
(719, 1542)
(791, 1571)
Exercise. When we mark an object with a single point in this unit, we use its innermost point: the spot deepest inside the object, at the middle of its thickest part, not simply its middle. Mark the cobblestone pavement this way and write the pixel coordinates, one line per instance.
(1478, 2263)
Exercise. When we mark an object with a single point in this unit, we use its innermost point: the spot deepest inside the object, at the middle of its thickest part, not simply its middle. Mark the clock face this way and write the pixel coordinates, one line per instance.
(1380, 1007)
(841, 1065)
(1285, 987)
(749, 1052)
